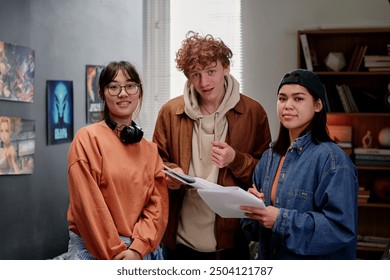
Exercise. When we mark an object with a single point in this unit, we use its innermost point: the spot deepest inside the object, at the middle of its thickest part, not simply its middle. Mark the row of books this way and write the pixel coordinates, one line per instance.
(372, 157)
(342, 98)
(363, 195)
(342, 135)
(357, 58)
(377, 62)
(373, 241)
(347, 100)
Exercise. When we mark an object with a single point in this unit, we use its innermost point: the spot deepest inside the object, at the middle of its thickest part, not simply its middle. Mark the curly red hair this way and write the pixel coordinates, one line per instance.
(204, 51)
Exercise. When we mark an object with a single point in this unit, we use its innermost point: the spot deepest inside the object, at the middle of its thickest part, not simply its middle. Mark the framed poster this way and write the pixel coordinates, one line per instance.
(59, 112)
(17, 146)
(94, 103)
(17, 66)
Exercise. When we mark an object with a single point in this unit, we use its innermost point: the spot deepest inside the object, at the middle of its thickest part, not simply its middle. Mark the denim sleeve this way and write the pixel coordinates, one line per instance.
(332, 222)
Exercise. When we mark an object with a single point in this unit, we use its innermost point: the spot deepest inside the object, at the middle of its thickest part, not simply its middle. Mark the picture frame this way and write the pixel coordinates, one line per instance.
(94, 105)
(17, 71)
(17, 146)
(59, 111)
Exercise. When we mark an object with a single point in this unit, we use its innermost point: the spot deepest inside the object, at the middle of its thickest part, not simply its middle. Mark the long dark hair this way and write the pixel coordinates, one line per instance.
(317, 126)
(108, 74)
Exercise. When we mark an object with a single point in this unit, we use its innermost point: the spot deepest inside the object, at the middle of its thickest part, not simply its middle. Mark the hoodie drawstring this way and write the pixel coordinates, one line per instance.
(200, 133)
(200, 138)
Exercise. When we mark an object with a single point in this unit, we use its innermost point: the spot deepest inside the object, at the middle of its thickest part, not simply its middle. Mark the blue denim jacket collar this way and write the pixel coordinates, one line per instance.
(301, 143)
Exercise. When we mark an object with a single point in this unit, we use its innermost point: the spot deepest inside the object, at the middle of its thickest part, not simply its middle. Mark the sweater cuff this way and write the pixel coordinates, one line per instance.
(140, 246)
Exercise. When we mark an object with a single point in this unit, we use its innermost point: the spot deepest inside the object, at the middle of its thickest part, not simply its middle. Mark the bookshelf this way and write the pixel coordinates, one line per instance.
(369, 90)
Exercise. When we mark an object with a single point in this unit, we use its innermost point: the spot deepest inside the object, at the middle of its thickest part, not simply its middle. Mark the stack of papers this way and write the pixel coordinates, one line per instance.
(225, 201)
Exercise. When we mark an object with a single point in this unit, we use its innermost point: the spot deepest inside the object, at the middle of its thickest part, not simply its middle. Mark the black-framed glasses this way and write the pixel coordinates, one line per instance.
(115, 90)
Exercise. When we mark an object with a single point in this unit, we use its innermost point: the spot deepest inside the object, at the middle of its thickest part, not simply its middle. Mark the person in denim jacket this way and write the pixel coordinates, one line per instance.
(309, 185)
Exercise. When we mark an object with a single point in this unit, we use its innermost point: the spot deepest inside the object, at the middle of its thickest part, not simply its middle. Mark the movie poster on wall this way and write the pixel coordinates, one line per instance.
(17, 146)
(17, 65)
(94, 103)
(59, 111)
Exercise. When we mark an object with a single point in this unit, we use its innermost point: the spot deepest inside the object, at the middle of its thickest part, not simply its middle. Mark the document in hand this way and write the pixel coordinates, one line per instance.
(225, 201)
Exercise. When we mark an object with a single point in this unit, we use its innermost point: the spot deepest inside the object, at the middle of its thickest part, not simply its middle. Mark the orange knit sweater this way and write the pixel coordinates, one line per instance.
(115, 189)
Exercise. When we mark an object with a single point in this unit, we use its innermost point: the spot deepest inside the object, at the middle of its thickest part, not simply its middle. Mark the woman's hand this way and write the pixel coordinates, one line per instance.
(128, 254)
(267, 216)
(253, 190)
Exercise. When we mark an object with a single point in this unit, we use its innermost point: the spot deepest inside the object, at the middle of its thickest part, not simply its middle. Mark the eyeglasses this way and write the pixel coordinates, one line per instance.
(115, 90)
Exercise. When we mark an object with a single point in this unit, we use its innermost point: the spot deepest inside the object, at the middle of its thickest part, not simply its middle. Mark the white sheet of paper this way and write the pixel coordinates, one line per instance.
(226, 201)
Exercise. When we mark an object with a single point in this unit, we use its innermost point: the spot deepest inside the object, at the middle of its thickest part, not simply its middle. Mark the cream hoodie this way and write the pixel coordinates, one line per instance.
(196, 226)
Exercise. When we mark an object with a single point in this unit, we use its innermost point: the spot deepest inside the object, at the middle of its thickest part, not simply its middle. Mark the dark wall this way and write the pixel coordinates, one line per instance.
(66, 36)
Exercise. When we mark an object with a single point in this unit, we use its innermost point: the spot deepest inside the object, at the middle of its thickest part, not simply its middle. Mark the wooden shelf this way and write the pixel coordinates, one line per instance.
(370, 248)
(369, 89)
(370, 167)
(375, 204)
(357, 73)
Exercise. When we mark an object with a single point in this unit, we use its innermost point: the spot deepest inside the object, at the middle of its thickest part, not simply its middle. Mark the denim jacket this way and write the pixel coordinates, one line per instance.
(317, 197)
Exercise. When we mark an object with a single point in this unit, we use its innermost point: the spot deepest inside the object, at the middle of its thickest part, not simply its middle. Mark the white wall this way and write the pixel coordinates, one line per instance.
(270, 40)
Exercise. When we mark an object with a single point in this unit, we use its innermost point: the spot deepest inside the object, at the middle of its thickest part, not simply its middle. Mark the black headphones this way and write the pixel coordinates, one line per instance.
(129, 134)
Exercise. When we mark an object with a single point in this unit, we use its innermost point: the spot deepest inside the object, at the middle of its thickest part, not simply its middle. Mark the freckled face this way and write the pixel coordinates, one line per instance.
(209, 81)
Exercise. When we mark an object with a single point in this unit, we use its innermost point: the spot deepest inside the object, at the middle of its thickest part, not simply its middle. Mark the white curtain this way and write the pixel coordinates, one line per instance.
(156, 73)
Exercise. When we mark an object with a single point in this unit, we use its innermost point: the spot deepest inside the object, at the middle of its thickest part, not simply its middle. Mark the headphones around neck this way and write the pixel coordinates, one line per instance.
(129, 134)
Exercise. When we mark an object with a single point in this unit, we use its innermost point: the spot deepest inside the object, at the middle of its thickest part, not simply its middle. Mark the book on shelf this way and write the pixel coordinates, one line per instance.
(344, 144)
(347, 100)
(377, 63)
(343, 99)
(327, 104)
(360, 57)
(352, 61)
(369, 58)
(306, 51)
(373, 241)
(363, 195)
(378, 69)
(372, 157)
(350, 98)
(371, 151)
(225, 201)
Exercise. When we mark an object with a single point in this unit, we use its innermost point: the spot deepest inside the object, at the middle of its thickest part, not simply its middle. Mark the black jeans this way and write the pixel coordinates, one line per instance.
(182, 252)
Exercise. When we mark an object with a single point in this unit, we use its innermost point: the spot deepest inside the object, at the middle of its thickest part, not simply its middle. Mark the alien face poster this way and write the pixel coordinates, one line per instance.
(59, 111)
(94, 103)
(17, 66)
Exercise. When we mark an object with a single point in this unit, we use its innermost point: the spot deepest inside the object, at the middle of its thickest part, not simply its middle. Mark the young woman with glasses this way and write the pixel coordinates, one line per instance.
(118, 194)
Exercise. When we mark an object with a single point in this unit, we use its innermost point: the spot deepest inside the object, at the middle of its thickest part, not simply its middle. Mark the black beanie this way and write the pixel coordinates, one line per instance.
(307, 79)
